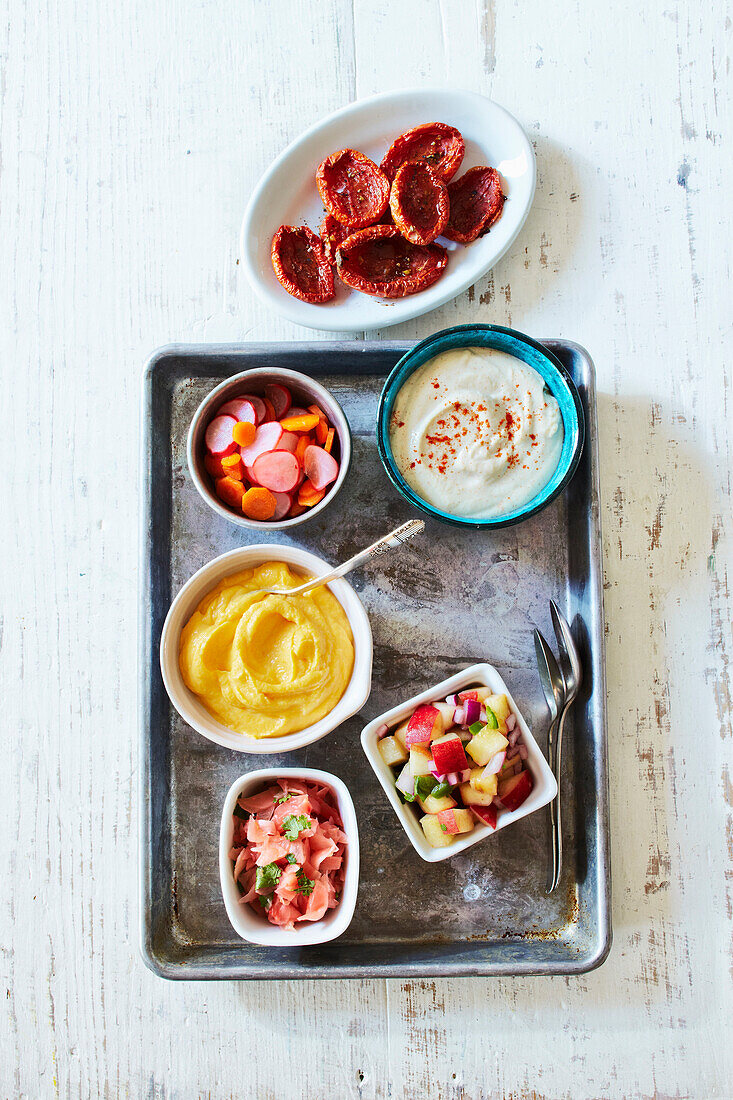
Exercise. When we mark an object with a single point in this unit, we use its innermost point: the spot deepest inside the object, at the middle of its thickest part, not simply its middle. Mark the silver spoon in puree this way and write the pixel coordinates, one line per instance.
(388, 542)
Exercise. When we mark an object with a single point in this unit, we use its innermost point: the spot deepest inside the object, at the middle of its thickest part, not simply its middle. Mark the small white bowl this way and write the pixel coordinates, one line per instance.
(245, 921)
(544, 790)
(190, 707)
(306, 391)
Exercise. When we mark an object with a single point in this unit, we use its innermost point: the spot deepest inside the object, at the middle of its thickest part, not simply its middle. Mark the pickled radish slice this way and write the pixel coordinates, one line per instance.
(218, 438)
(278, 471)
(280, 398)
(267, 438)
(241, 408)
(320, 467)
(283, 502)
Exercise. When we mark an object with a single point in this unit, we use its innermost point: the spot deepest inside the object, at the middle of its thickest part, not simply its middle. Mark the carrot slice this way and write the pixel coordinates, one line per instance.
(243, 433)
(270, 413)
(318, 411)
(259, 503)
(233, 466)
(308, 495)
(213, 465)
(303, 442)
(322, 431)
(329, 440)
(299, 423)
(229, 490)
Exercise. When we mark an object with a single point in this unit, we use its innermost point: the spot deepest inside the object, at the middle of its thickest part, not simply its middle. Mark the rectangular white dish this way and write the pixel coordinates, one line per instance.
(543, 791)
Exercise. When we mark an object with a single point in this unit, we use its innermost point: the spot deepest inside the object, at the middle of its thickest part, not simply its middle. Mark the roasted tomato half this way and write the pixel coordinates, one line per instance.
(381, 262)
(353, 189)
(300, 263)
(438, 145)
(419, 203)
(476, 201)
(332, 234)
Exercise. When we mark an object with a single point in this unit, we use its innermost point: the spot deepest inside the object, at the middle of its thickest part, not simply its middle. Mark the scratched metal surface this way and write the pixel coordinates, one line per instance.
(443, 601)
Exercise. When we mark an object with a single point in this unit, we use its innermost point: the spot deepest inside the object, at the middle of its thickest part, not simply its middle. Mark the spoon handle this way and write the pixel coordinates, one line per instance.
(387, 542)
(554, 745)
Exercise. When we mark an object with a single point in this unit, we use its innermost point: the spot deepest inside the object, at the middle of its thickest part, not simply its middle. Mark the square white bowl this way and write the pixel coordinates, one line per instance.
(244, 920)
(190, 707)
(543, 791)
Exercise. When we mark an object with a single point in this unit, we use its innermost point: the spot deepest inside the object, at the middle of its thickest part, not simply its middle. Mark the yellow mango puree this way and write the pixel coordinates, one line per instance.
(267, 665)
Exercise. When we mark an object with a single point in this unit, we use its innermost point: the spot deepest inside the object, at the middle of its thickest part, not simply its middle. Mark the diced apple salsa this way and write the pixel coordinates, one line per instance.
(461, 760)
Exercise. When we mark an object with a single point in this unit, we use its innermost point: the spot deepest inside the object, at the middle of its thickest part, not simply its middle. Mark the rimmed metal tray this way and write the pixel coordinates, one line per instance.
(443, 601)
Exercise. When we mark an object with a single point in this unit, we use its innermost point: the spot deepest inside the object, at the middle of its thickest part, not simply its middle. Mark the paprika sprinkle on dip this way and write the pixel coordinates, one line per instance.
(475, 433)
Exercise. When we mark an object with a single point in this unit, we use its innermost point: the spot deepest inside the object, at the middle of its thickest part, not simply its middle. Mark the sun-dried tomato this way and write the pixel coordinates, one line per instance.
(379, 261)
(476, 201)
(332, 234)
(440, 146)
(353, 189)
(300, 264)
(419, 203)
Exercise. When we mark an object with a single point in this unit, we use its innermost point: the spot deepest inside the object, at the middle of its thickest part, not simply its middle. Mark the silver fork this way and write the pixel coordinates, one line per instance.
(572, 674)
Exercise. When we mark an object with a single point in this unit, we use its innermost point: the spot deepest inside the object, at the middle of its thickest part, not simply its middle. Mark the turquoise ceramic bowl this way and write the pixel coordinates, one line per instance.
(534, 355)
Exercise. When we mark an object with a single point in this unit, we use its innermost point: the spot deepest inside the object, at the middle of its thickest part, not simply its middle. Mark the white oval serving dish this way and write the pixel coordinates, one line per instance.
(287, 195)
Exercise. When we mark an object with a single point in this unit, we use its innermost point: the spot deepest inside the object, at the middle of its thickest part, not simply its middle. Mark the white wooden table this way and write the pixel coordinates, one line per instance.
(130, 137)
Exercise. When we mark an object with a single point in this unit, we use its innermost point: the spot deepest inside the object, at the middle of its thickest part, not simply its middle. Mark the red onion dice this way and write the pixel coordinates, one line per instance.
(459, 715)
(452, 700)
(382, 731)
(512, 751)
(471, 711)
(514, 737)
(511, 722)
(495, 764)
(406, 781)
(523, 752)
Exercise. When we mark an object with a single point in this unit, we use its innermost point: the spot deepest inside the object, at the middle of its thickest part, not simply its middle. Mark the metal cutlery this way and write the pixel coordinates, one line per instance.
(560, 684)
(394, 538)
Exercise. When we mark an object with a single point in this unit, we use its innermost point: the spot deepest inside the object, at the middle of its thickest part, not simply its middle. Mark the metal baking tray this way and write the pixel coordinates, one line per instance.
(441, 602)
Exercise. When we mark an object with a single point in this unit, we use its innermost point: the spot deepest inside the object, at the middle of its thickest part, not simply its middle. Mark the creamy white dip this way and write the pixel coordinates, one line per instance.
(475, 433)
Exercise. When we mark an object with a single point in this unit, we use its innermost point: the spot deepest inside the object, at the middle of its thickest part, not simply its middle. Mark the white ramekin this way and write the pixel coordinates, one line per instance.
(544, 790)
(245, 921)
(190, 707)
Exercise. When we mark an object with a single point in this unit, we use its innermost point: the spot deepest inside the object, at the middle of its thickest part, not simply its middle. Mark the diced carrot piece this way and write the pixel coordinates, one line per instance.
(308, 495)
(296, 510)
(243, 433)
(229, 490)
(318, 411)
(322, 431)
(304, 423)
(213, 465)
(329, 440)
(259, 503)
(300, 448)
(233, 466)
(270, 414)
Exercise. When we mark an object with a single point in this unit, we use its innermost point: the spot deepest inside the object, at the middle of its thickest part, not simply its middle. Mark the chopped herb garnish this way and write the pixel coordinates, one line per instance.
(441, 790)
(491, 720)
(291, 858)
(476, 728)
(444, 827)
(240, 813)
(267, 877)
(305, 884)
(293, 826)
(424, 785)
(265, 902)
(407, 797)
(283, 798)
